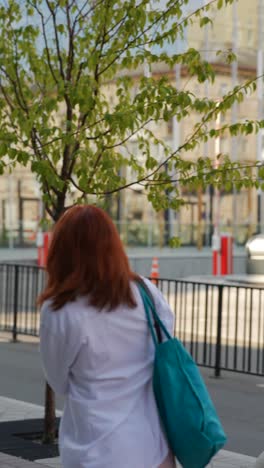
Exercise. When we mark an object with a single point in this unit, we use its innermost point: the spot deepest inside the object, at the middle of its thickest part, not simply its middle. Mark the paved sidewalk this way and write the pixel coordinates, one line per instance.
(6, 461)
(14, 410)
(223, 460)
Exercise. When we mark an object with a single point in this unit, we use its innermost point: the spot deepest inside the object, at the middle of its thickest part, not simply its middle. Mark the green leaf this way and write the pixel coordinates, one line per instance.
(3, 149)
(174, 242)
(205, 20)
(261, 172)
(86, 119)
(60, 28)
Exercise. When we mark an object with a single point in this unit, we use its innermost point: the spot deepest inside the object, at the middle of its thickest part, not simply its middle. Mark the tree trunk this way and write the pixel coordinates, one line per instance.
(49, 432)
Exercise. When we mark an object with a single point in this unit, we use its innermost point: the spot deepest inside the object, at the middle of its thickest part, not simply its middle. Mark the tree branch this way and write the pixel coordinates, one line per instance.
(120, 143)
(82, 15)
(163, 182)
(131, 44)
(57, 42)
(7, 98)
(44, 33)
(18, 77)
(206, 119)
(83, 118)
(76, 185)
(15, 88)
(70, 57)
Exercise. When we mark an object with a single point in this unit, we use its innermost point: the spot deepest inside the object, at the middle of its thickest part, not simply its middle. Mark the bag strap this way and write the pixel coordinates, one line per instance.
(142, 283)
(156, 318)
(149, 304)
(147, 311)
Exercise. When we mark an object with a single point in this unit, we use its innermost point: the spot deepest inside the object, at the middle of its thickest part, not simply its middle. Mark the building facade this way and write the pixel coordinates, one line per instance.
(235, 27)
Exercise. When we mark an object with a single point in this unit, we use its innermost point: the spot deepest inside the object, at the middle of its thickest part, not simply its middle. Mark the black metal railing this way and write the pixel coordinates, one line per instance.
(222, 325)
(20, 286)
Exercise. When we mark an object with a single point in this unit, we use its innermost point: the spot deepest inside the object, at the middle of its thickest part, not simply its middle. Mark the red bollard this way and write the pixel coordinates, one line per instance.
(43, 241)
(226, 254)
(216, 248)
(222, 246)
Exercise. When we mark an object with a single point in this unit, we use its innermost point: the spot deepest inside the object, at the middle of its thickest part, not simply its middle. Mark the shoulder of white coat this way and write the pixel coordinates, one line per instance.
(47, 309)
(58, 319)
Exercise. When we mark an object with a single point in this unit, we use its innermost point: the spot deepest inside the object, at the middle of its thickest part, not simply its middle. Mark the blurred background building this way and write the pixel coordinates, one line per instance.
(238, 27)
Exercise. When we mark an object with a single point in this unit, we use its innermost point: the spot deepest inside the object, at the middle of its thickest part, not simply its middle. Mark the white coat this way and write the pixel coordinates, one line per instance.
(102, 362)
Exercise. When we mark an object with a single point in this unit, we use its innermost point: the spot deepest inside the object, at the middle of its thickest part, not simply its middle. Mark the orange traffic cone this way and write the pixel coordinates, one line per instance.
(154, 273)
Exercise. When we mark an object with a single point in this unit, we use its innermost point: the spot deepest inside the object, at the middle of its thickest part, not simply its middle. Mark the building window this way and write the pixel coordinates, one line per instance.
(243, 146)
(134, 91)
(250, 34)
(197, 90)
(224, 145)
(170, 127)
(223, 89)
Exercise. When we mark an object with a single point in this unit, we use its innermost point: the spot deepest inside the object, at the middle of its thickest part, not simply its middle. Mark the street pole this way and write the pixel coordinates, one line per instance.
(260, 108)
(208, 215)
(234, 73)
(199, 240)
(147, 74)
(175, 123)
(20, 215)
(216, 235)
(176, 134)
(217, 191)
(11, 210)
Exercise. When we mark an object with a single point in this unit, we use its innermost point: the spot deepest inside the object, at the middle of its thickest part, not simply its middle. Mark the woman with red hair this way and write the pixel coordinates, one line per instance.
(97, 350)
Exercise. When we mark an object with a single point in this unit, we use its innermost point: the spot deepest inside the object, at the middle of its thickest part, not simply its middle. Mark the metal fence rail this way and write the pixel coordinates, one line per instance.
(20, 286)
(221, 325)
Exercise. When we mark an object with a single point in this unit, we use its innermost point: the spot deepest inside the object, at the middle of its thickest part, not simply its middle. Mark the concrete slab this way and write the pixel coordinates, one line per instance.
(224, 459)
(51, 462)
(13, 409)
(246, 279)
(18, 254)
(8, 461)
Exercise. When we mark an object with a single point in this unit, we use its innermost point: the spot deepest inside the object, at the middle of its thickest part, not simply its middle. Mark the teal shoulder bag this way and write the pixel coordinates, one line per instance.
(189, 418)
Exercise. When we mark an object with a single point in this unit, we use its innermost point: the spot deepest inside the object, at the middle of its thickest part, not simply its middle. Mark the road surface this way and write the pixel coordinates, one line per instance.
(239, 399)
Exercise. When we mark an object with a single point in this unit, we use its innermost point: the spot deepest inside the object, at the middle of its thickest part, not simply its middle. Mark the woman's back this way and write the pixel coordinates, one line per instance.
(96, 347)
(103, 363)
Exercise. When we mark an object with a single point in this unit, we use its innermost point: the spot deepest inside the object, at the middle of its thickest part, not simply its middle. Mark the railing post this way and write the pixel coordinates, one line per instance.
(219, 332)
(14, 331)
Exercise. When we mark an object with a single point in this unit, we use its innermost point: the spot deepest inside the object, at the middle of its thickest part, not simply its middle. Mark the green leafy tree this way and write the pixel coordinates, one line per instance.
(67, 111)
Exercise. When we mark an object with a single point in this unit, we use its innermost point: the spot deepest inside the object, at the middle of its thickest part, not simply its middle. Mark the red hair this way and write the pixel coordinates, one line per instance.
(86, 257)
